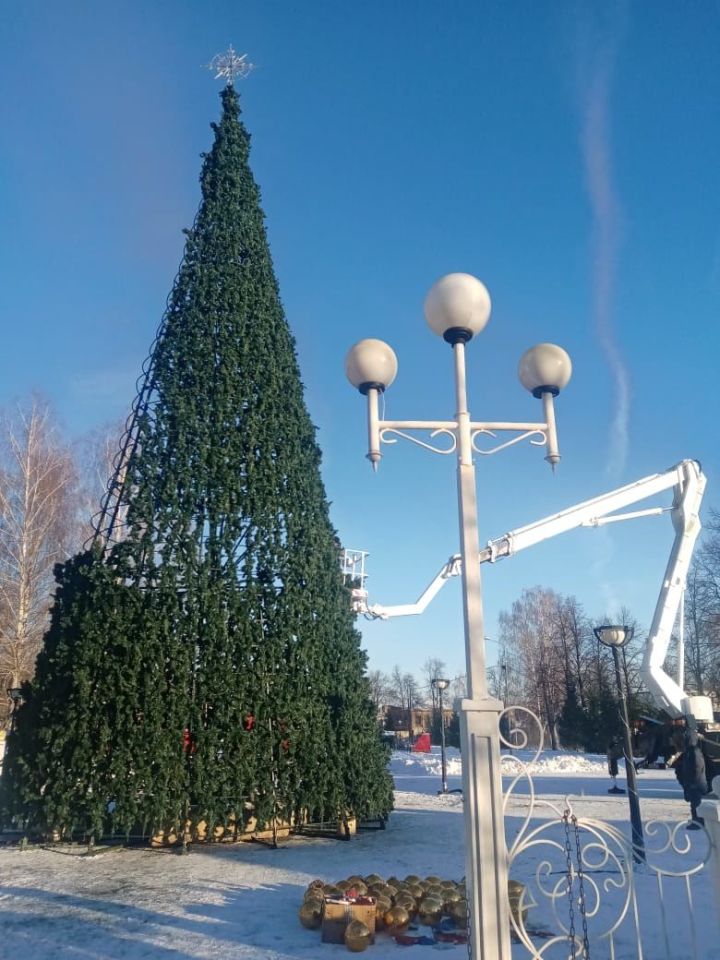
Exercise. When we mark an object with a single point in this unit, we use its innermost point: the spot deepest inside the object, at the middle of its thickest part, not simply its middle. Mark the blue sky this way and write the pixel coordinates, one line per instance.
(567, 154)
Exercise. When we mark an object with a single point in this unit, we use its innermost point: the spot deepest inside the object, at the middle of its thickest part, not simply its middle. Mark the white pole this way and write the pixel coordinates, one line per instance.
(373, 454)
(709, 810)
(486, 853)
(553, 454)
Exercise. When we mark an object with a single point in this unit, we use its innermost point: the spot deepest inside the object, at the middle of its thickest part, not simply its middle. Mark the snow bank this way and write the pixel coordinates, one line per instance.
(550, 762)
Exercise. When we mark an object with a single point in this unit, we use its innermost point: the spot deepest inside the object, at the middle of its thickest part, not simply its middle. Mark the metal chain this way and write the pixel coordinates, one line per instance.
(567, 818)
(581, 889)
(570, 873)
(467, 931)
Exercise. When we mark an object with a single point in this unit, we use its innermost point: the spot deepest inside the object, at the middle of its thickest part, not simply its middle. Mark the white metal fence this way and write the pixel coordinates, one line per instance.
(579, 890)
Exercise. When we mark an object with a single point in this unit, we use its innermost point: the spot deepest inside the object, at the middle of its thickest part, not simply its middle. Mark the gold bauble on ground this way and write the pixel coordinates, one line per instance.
(433, 879)
(412, 878)
(343, 885)
(382, 905)
(310, 914)
(380, 890)
(397, 919)
(515, 892)
(357, 936)
(409, 903)
(394, 881)
(372, 878)
(415, 890)
(450, 897)
(435, 890)
(430, 911)
(358, 885)
(458, 911)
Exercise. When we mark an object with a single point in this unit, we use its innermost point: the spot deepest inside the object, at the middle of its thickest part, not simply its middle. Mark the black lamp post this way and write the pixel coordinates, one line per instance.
(505, 725)
(15, 695)
(441, 684)
(616, 637)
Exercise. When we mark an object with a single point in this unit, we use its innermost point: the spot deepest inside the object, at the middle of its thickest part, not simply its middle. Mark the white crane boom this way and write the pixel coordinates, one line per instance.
(377, 611)
(688, 484)
(686, 520)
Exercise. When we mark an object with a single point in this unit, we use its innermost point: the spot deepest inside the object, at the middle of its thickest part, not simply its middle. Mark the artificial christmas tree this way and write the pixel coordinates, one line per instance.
(202, 663)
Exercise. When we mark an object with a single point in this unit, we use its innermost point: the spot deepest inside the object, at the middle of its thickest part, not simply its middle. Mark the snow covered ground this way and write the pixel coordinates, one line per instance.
(241, 901)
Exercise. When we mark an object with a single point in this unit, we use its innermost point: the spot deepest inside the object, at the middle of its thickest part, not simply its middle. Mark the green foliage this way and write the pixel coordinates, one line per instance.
(604, 721)
(452, 731)
(592, 727)
(574, 721)
(436, 727)
(207, 667)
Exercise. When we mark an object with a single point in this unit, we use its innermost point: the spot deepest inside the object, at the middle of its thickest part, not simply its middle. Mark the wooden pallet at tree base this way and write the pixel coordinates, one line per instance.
(272, 831)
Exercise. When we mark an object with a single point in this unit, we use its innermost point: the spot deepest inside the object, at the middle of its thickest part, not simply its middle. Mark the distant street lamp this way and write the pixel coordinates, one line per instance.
(441, 684)
(616, 637)
(456, 309)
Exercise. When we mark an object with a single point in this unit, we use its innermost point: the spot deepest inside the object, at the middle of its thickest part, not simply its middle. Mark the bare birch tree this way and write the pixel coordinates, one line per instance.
(431, 670)
(703, 608)
(96, 454)
(38, 520)
(379, 685)
(530, 634)
(458, 687)
(405, 692)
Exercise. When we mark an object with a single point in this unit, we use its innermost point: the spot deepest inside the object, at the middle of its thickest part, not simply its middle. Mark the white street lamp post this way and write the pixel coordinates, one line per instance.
(457, 308)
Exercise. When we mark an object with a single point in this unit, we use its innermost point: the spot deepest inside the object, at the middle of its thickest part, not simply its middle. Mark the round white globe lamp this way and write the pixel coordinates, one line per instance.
(612, 635)
(371, 363)
(545, 368)
(457, 307)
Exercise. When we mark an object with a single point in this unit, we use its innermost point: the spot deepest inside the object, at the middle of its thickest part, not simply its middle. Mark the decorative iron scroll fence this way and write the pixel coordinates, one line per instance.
(575, 891)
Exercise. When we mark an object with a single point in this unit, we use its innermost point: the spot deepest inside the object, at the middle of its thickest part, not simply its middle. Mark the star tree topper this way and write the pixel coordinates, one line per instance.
(230, 65)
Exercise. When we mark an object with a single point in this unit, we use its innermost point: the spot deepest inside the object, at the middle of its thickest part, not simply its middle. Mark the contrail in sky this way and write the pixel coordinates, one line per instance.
(597, 157)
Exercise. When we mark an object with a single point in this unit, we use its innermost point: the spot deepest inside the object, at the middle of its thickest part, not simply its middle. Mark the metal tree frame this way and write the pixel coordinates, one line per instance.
(109, 522)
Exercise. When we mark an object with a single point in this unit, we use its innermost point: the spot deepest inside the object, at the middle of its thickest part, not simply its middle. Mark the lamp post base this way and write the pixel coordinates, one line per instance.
(486, 870)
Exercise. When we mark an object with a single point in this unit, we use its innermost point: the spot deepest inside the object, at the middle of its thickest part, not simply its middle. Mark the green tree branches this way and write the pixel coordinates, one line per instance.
(207, 666)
